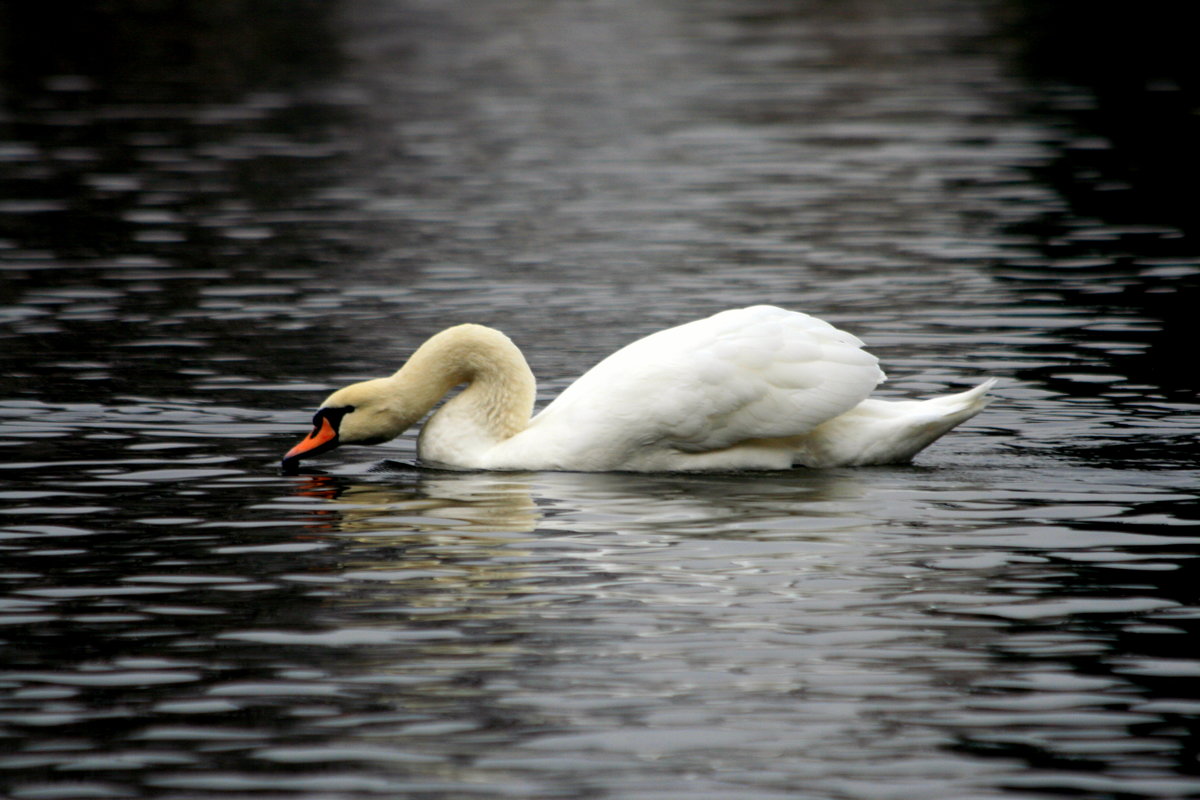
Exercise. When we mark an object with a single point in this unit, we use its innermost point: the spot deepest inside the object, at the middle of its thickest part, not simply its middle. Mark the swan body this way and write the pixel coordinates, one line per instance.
(757, 388)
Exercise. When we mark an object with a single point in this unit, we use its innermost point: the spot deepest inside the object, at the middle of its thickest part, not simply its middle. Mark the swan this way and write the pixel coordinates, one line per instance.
(759, 388)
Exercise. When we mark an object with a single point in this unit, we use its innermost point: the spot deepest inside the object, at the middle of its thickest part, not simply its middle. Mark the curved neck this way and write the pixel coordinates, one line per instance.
(500, 388)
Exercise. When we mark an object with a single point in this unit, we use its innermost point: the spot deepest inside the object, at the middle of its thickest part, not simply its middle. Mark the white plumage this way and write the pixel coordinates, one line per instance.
(752, 388)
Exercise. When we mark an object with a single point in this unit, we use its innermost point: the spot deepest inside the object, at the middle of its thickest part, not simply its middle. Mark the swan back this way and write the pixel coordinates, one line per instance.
(744, 374)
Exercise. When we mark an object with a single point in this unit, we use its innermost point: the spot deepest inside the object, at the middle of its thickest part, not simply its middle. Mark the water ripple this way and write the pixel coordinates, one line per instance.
(195, 252)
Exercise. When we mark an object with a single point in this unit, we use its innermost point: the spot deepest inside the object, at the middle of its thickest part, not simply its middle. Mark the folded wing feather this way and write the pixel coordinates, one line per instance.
(757, 373)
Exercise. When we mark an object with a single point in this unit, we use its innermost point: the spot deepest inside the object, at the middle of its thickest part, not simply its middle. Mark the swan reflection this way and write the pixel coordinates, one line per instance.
(396, 499)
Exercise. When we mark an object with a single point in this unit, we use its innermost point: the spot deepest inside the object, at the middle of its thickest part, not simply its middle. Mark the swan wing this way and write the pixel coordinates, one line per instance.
(751, 373)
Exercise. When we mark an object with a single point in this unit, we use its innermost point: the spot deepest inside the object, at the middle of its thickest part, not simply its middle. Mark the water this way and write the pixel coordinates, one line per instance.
(221, 217)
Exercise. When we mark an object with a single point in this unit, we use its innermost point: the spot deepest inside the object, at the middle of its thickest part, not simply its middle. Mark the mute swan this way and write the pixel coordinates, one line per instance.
(757, 388)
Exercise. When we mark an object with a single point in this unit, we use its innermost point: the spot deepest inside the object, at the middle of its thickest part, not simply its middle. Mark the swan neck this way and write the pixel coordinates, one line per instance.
(499, 386)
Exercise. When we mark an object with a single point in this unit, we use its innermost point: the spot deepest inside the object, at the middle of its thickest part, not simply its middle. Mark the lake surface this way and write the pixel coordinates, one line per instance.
(209, 218)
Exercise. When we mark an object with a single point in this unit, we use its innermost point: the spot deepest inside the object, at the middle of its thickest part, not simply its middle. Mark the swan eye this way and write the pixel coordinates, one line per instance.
(333, 414)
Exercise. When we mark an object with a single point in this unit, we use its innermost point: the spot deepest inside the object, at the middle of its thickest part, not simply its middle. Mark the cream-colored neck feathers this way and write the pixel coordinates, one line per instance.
(495, 404)
(500, 387)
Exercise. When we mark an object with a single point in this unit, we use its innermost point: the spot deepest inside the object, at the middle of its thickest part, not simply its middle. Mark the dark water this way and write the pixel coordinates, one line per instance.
(213, 213)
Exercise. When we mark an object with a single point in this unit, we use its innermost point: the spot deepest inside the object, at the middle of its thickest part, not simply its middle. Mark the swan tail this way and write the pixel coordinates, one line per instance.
(889, 431)
(970, 402)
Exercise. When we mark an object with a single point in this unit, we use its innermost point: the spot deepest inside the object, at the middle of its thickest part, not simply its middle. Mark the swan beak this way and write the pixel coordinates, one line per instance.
(324, 437)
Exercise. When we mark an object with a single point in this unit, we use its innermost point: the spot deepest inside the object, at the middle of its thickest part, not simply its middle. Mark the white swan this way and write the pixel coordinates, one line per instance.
(746, 389)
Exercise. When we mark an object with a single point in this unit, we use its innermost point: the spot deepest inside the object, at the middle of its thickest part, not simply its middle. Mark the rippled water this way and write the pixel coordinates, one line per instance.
(218, 217)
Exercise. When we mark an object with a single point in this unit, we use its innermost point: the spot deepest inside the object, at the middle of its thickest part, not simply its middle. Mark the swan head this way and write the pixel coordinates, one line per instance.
(362, 413)
(496, 403)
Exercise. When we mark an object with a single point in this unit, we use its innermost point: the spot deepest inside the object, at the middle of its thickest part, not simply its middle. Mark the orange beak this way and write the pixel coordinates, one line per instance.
(323, 438)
